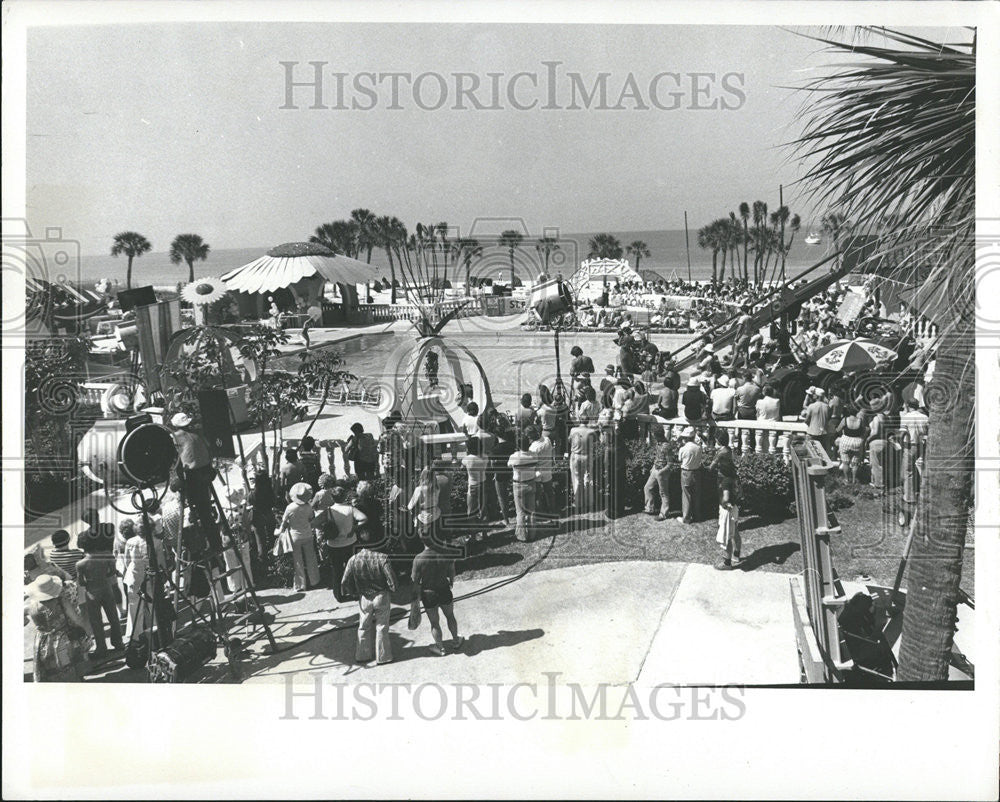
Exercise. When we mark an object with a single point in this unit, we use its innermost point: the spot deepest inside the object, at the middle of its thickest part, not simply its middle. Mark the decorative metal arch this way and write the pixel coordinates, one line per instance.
(403, 369)
(618, 268)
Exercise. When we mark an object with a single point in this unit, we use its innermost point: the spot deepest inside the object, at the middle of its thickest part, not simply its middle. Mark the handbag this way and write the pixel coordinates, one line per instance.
(283, 544)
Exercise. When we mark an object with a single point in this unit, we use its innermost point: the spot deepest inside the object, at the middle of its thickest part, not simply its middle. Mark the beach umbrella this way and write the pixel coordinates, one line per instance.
(849, 355)
(288, 264)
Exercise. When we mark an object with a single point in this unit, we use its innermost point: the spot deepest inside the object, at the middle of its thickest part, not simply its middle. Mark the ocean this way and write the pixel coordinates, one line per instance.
(667, 258)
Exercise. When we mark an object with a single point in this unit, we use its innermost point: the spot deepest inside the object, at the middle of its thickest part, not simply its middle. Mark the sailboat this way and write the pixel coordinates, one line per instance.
(813, 238)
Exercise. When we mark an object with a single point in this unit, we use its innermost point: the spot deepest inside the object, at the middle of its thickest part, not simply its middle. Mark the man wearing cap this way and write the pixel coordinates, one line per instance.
(197, 474)
(609, 378)
(691, 456)
(816, 414)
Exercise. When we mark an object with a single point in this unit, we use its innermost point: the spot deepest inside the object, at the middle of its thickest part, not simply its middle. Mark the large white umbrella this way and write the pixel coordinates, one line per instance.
(848, 355)
(290, 263)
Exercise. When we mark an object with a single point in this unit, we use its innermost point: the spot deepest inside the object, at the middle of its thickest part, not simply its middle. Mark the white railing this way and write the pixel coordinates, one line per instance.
(745, 436)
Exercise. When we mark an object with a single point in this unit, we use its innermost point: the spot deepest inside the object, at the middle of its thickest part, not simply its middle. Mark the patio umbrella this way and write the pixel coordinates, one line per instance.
(289, 263)
(848, 355)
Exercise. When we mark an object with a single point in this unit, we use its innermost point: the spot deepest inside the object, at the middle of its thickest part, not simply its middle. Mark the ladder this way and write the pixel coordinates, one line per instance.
(241, 612)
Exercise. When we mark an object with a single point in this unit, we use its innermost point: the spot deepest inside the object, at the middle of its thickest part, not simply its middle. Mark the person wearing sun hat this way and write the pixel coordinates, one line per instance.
(61, 640)
(694, 400)
(297, 521)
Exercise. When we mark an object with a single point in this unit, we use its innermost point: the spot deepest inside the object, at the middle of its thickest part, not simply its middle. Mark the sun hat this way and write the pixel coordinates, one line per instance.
(693, 381)
(708, 347)
(180, 420)
(732, 382)
(300, 492)
(45, 587)
(820, 392)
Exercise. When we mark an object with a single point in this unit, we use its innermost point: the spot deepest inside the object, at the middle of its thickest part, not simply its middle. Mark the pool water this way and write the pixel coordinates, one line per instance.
(515, 362)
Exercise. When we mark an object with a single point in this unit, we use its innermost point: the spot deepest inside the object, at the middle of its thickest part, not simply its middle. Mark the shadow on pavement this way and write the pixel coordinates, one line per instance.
(776, 554)
(474, 644)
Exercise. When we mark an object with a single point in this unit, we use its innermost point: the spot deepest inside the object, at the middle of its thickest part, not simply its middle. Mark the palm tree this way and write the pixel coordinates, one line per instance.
(470, 249)
(708, 239)
(442, 232)
(895, 135)
(745, 217)
(759, 224)
(383, 232)
(640, 250)
(604, 246)
(511, 240)
(363, 219)
(545, 247)
(730, 235)
(340, 236)
(189, 248)
(132, 244)
(835, 225)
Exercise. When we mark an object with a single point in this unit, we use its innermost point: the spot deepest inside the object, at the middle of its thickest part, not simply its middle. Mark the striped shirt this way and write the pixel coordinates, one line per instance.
(66, 559)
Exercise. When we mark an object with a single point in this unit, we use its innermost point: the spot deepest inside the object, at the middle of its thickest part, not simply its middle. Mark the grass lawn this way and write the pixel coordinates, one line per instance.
(870, 544)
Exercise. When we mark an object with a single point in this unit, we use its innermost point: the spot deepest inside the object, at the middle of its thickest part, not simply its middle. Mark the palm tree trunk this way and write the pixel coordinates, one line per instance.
(319, 410)
(468, 275)
(935, 565)
(392, 273)
(128, 275)
(190, 270)
(746, 244)
(512, 268)
(715, 257)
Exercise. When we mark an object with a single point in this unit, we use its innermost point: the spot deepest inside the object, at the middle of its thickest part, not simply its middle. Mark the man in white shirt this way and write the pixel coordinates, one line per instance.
(768, 407)
(724, 401)
(541, 447)
(475, 465)
(691, 456)
(523, 465)
(914, 426)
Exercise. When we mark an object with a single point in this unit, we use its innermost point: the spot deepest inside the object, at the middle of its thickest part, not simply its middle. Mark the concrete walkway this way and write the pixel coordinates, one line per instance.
(653, 622)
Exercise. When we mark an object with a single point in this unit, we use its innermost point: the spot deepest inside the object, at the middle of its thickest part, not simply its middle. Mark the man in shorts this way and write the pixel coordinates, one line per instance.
(433, 575)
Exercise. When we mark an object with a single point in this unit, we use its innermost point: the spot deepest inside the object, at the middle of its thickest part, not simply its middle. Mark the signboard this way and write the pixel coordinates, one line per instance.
(850, 307)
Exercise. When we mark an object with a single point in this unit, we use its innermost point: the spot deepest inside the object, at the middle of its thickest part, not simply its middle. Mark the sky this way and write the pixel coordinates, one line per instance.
(178, 128)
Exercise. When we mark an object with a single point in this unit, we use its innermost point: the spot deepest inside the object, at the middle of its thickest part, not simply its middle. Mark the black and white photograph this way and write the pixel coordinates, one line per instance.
(466, 400)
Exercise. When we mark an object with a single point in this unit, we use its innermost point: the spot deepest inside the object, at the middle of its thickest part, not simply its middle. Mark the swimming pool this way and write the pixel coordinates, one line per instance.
(515, 361)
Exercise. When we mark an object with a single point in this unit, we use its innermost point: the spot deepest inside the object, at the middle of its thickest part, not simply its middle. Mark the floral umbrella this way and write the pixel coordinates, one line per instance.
(849, 355)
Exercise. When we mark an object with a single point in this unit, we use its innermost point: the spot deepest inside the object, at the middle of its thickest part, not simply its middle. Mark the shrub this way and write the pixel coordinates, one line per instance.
(765, 482)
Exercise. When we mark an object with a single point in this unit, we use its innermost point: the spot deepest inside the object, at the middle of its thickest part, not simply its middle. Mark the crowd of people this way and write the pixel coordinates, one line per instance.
(387, 525)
